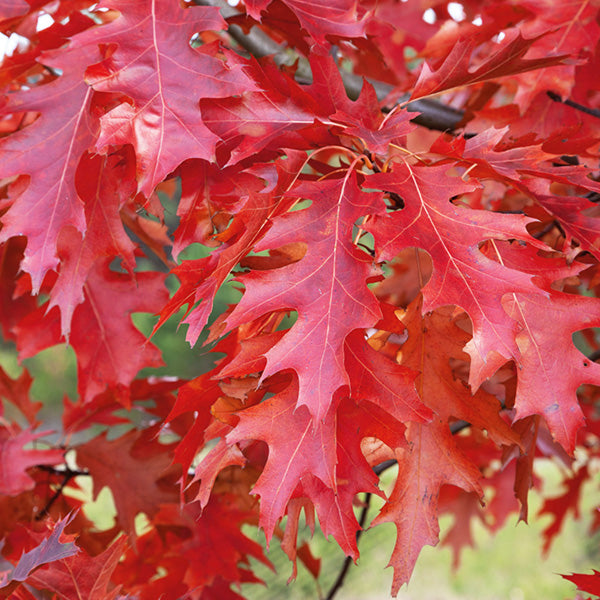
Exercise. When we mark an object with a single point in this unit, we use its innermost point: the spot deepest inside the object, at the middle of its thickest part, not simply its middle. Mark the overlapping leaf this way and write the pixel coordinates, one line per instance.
(327, 288)
(381, 381)
(132, 467)
(201, 278)
(431, 460)
(434, 342)
(49, 550)
(48, 151)
(165, 78)
(586, 582)
(110, 350)
(105, 187)
(12, 8)
(356, 421)
(274, 118)
(548, 380)
(456, 71)
(81, 575)
(559, 507)
(343, 18)
(451, 234)
(297, 448)
(15, 459)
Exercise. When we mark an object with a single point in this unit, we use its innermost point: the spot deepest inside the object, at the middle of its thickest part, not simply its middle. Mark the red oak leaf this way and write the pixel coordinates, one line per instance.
(49, 550)
(196, 397)
(289, 542)
(578, 218)
(527, 168)
(12, 8)
(344, 18)
(200, 279)
(82, 576)
(208, 196)
(188, 551)
(298, 447)
(16, 391)
(218, 528)
(286, 114)
(220, 457)
(275, 118)
(376, 378)
(165, 78)
(14, 303)
(355, 422)
(558, 507)
(430, 461)
(104, 190)
(548, 380)
(455, 70)
(327, 287)
(434, 342)
(132, 466)
(586, 583)
(368, 124)
(15, 460)
(250, 358)
(528, 430)
(571, 28)
(432, 458)
(451, 234)
(110, 349)
(466, 507)
(101, 409)
(48, 151)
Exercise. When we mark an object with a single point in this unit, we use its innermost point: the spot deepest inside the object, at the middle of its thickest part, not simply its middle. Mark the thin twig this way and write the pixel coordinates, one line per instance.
(580, 107)
(337, 584)
(67, 474)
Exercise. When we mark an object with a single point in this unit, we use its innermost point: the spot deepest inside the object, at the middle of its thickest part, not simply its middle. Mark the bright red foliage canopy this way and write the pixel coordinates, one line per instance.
(419, 281)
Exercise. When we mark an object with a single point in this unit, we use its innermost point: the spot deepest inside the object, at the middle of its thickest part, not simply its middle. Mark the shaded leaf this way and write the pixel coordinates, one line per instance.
(49, 550)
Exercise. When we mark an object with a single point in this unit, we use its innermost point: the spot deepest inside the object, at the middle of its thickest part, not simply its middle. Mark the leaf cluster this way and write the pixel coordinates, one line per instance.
(406, 198)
